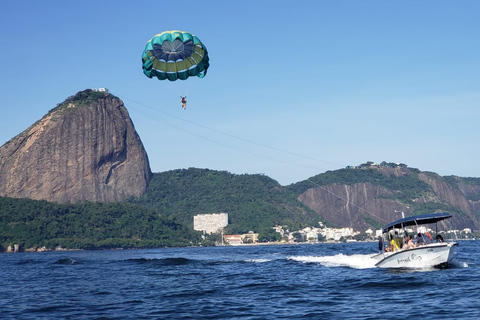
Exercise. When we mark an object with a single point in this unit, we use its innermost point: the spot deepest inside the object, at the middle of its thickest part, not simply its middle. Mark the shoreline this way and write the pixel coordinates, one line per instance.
(60, 249)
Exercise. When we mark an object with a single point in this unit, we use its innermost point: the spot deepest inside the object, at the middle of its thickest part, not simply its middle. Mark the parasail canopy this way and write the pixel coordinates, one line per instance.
(175, 55)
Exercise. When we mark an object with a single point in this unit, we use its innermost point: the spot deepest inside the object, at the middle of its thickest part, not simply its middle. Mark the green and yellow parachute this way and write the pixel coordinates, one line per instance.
(175, 55)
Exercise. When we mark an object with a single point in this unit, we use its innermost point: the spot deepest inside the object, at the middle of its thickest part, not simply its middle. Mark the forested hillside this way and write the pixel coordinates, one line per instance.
(162, 217)
(253, 202)
(32, 223)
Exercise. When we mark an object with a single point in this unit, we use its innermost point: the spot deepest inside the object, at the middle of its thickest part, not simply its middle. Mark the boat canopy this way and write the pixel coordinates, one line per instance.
(416, 220)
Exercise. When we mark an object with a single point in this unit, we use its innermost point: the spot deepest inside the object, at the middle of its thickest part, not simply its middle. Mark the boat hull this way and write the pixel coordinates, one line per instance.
(431, 255)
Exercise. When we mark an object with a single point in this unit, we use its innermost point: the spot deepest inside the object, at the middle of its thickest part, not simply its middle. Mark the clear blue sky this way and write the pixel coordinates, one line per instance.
(295, 88)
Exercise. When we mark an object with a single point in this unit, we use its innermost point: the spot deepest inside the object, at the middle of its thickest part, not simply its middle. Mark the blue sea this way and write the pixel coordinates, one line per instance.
(315, 281)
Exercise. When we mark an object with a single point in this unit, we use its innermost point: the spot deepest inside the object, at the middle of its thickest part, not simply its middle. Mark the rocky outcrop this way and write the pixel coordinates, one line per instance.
(13, 248)
(453, 196)
(86, 149)
(444, 192)
(361, 205)
(398, 171)
(355, 206)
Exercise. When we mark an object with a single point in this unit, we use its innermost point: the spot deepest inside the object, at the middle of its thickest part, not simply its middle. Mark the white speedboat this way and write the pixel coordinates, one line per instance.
(426, 253)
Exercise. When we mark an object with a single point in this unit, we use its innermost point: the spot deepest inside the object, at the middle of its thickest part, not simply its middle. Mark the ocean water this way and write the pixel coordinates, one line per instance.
(317, 281)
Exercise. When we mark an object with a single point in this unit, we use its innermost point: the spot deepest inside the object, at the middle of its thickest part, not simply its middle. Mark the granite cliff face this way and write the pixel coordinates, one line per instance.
(352, 205)
(362, 204)
(86, 149)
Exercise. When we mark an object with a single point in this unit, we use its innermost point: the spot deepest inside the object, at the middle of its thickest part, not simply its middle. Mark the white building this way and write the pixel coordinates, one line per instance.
(336, 234)
(210, 223)
(312, 235)
(100, 89)
(233, 239)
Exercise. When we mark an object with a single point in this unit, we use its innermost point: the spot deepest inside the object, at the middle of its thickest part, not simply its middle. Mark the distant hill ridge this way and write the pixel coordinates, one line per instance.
(372, 195)
(368, 196)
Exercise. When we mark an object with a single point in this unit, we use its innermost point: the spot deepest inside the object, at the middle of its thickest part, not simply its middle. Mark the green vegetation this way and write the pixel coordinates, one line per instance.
(253, 202)
(374, 223)
(33, 223)
(82, 98)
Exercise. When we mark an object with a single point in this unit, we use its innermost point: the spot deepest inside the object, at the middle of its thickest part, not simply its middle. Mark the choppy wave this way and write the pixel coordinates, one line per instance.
(66, 261)
(179, 261)
(458, 264)
(27, 261)
(257, 260)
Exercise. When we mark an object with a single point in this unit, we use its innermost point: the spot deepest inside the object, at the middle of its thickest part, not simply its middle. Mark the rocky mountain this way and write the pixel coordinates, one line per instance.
(372, 195)
(363, 197)
(85, 149)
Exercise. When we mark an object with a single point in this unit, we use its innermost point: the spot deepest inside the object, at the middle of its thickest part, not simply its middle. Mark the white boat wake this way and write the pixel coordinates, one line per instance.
(357, 261)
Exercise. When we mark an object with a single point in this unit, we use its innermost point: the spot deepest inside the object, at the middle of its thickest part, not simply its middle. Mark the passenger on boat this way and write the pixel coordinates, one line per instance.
(394, 241)
(394, 245)
(409, 243)
(380, 244)
(423, 239)
(420, 240)
(428, 238)
(439, 238)
(399, 241)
